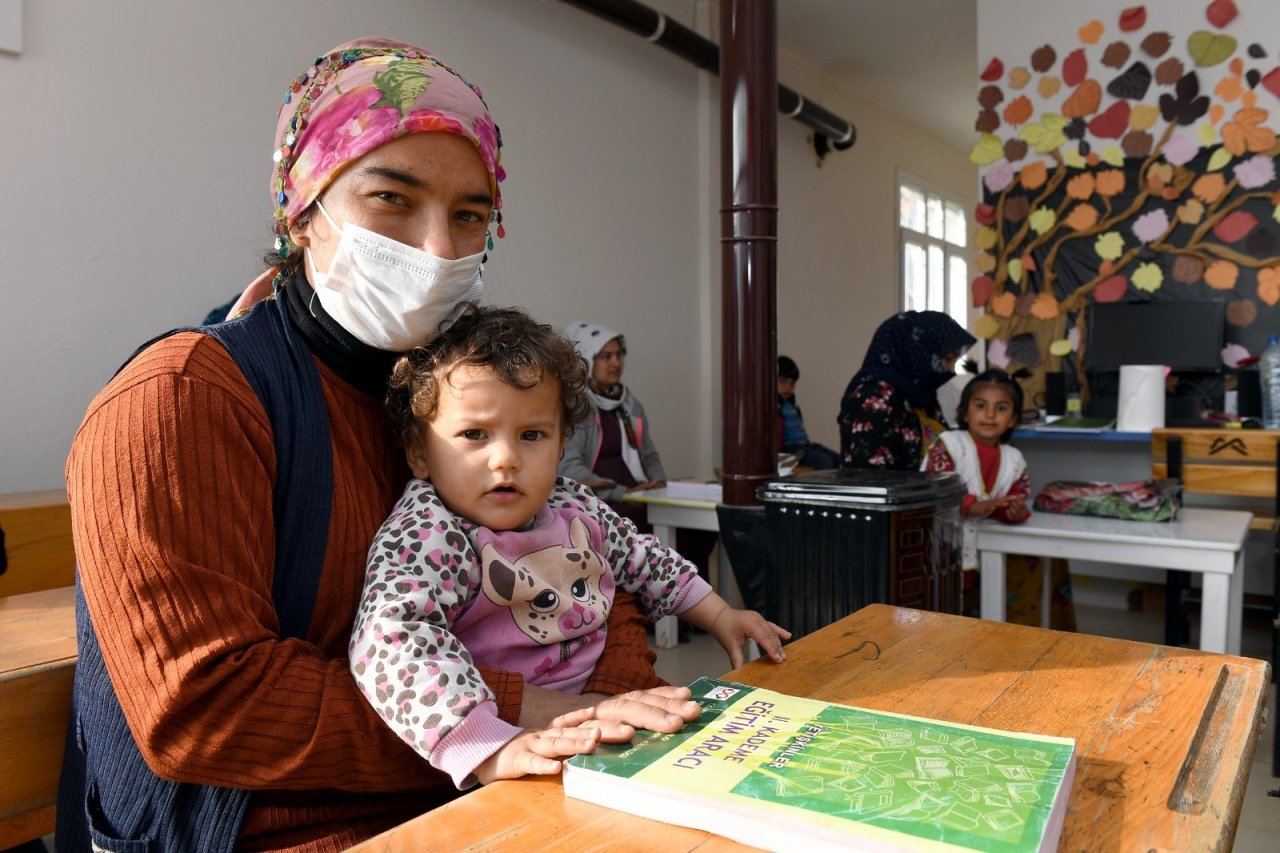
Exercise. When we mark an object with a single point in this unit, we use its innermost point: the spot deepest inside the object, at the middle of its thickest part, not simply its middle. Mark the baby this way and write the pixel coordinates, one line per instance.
(489, 559)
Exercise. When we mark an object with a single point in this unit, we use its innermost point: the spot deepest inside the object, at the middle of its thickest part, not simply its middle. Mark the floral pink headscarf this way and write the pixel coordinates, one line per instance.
(359, 96)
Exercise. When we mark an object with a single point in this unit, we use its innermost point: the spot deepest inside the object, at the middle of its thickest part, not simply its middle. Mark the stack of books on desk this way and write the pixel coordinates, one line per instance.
(706, 490)
(787, 773)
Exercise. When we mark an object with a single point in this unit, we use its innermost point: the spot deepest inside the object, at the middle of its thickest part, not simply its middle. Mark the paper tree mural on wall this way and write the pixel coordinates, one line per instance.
(1130, 181)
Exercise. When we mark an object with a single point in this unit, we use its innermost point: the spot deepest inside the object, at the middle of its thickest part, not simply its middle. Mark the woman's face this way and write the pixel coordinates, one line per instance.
(606, 369)
(427, 190)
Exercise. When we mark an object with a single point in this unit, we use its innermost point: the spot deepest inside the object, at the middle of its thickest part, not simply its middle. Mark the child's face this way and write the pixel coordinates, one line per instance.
(786, 387)
(492, 449)
(990, 414)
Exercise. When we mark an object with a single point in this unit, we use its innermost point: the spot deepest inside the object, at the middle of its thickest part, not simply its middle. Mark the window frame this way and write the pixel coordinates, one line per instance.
(950, 251)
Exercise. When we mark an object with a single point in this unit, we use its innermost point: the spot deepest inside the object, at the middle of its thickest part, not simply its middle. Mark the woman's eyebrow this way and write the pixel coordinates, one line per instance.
(394, 175)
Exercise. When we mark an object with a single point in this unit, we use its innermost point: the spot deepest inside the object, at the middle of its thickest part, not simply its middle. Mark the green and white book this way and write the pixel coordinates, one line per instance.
(785, 773)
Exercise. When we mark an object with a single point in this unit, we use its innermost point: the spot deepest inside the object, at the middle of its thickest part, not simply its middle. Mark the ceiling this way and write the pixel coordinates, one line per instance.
(916, 58)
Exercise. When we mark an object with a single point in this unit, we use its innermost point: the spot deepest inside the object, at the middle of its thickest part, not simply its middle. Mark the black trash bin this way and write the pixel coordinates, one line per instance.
(846, 538)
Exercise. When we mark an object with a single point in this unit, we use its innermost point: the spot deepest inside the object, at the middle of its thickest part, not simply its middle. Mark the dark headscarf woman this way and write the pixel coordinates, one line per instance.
(889, 415)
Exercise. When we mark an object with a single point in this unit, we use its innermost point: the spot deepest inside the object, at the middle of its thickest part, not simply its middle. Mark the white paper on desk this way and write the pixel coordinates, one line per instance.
(1141, 404)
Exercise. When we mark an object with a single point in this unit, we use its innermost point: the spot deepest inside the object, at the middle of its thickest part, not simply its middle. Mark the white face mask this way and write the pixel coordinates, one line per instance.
(390, 295)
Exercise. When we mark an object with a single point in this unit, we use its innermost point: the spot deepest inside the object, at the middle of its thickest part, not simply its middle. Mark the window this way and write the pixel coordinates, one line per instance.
(935, 266)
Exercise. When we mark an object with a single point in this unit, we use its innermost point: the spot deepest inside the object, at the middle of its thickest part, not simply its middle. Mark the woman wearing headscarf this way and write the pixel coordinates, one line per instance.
(226, 485)
(889, 415)
(614, 453)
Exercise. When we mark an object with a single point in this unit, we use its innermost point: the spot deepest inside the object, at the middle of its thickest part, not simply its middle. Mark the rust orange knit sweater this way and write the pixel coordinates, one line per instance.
(170, 480)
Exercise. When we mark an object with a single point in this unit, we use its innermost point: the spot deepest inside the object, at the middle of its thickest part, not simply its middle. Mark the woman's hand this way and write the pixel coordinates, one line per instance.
(641, 487)
(732, 628)
(598, 486)
(539, 753)
(659, 709)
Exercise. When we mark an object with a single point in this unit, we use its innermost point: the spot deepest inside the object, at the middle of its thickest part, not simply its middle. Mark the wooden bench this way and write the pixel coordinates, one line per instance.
(35, 542)
(37, 664)
(37, 658)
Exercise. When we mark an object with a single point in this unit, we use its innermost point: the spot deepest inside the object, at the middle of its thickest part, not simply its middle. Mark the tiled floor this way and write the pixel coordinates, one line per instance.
(1259, 830)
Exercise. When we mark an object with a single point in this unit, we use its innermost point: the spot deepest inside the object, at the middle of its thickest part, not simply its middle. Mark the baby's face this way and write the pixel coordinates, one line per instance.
(492, 449)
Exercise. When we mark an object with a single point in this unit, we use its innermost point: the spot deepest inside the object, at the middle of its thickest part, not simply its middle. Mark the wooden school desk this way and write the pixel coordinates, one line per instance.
(1165, 735)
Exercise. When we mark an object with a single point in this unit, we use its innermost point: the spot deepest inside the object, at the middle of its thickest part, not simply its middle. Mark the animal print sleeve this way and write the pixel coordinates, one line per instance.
(663, 582)
(404, 655)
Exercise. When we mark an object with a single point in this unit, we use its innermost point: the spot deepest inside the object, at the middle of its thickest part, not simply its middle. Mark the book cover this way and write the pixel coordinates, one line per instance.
(782, 772)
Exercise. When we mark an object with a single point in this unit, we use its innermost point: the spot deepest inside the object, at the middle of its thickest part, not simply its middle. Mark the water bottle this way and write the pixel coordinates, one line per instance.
(1269, 379)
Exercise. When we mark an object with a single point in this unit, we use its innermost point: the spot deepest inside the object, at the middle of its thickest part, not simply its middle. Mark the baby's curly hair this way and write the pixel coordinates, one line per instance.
(520, 351)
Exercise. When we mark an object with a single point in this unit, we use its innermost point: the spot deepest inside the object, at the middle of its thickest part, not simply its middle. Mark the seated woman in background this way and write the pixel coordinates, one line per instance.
(792, 436)
(889, 415)
(612, 452)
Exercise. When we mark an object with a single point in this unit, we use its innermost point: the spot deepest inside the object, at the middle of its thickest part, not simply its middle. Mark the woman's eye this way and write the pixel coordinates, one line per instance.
(390, 197)
(471, 217)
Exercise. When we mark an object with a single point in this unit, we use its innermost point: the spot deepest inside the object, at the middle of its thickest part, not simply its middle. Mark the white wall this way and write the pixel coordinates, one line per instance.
(137, 152)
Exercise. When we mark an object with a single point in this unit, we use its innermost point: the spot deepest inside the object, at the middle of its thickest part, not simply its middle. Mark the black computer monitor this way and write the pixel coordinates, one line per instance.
(1185, 335)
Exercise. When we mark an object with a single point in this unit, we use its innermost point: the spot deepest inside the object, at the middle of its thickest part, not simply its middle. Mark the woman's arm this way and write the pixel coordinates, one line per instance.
(170, 480)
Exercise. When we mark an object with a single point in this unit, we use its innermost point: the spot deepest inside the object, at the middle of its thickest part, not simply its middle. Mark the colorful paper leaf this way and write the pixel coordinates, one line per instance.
(988, 150)
(1014, 268)
(1222, 275)
(1242, 312)
(1082, 217)
(1081, 186)
(1042, 220)
(1221, 12)
(1060, 348)
(981, 290)
(1033, 175)
(1235, 226)
(1045, 307)
(986, 327)
(1111, 289)
(1109, 245)
(1208, 188)
(1109, 182)
(1075, 67)
(1133, 18)
(993, 72)
(1187, 269)
(1269, 285)
(1148, 277)
(1091, 32)
(1209, 49)
(1003, 304)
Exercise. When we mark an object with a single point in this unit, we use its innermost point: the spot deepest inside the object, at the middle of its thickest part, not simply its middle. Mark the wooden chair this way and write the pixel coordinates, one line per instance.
(1235, 463)
(37, 658)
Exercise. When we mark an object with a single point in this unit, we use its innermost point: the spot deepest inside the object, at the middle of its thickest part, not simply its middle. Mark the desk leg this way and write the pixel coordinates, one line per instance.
(1215, 614)
(666, 633)
(1235, 609)
(1046, 590)
(992, 602)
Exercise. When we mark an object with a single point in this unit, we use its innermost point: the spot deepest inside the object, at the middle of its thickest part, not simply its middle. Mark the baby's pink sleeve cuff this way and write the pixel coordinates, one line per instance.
(480, 734)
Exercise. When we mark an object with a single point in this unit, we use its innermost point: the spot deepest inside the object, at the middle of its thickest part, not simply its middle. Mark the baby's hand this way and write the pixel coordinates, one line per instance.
(537, 753)
(733, 627)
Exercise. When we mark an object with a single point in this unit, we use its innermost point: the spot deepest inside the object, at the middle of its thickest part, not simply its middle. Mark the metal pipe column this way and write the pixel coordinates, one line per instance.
(749, 243)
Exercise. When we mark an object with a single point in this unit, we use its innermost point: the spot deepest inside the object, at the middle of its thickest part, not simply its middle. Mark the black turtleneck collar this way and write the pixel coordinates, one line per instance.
(364, 367)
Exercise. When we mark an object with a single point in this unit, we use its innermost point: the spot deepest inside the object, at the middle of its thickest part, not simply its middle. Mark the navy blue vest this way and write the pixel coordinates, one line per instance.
(107, 795)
